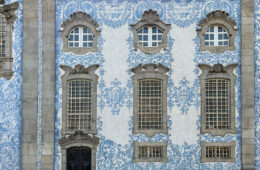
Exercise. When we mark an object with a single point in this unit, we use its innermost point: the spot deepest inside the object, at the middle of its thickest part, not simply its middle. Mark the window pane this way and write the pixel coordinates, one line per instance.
(79, 104)
(150, 104)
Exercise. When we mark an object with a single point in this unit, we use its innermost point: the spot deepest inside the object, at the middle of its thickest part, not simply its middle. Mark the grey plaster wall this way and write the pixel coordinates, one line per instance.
(30, 84)
(247, 58)
(48, 84)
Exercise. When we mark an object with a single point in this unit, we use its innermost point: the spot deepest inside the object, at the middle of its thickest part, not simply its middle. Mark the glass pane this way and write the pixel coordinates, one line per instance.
(154, 29)
(145, 44)
(145, 37)
(154, 37)
(145, 30)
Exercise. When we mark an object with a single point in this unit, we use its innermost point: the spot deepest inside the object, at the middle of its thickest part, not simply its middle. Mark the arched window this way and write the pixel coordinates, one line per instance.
(217, 84)
(80, 37)
(150, 36)
(79, 158)
(2, 36)
(150, 33)
(217, 33)
(216, 36)
(150, 99)
(79, 99)
(7, 19)
(150, 105)
(79, 34)
(79, 104)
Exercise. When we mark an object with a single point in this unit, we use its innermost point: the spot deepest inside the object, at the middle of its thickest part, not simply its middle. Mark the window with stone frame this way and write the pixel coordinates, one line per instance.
(79, 34)
(217, 32)
(217, 99)
(150, 33)
(150, 99)
(218, 152)
(7, 19)
(79, 99)
(150, 152)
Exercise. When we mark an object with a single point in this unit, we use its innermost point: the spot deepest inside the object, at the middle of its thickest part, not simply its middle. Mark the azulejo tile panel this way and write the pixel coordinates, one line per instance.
(116, 94)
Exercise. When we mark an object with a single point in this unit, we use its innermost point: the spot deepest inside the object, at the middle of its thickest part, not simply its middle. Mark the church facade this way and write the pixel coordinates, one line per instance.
(127, 84)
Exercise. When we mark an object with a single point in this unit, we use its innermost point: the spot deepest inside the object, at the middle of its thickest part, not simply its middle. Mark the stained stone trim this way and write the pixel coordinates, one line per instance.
(217, 18)
(78, 139)
(150, 18)
(213, 72)
(79, 72)
(204, 159)
(79, 19)
(149, 71)
(136, 146)
(6, 63)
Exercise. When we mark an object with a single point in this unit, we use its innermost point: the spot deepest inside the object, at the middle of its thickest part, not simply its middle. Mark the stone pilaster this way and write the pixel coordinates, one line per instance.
(248, 88)
(30, 84)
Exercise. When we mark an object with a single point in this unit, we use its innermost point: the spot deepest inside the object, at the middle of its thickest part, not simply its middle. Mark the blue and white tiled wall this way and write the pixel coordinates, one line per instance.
(116, 57)
(257, 82)
(11, 103)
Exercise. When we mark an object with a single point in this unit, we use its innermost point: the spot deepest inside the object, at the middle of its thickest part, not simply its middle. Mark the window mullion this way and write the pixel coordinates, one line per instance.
(80, 36)
(215, 35)
(149, 36)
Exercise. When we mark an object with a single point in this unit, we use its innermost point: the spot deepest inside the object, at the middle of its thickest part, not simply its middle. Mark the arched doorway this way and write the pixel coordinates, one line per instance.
(79, 158)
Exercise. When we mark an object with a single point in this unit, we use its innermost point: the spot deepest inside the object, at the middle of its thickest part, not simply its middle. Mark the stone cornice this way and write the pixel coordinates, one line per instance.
(218, 15)
(79, 137)
(9, 12)
(80, 69)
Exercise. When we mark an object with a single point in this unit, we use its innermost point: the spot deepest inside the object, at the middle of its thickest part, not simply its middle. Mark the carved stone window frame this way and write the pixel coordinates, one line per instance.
(204, 159)
(150, 18)
(79, 72)
(6, 63)
(217, 18)
(79, 19)
(215, 72)
(78, 139)
(136, 159)
(149, 71)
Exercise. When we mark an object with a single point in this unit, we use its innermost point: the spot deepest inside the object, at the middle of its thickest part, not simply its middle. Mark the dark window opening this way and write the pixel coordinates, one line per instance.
(79, 158)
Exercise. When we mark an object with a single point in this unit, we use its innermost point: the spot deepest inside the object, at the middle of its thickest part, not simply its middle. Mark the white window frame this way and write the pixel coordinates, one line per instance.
(150, 19)
(216, 36)
(150, 35)
(81, 40)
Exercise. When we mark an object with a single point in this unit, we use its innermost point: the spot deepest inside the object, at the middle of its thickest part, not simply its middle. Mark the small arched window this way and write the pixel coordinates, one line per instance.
(2, 35)
(150, 33)
(150, 36)
(80, 37)
(80, 34)
(217, 33)
(216, 36)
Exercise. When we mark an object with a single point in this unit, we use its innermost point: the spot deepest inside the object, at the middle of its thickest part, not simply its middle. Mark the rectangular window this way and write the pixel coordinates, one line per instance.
(79, 102)
(150, 108)
(150, 152)
(2, 36)
(217, 104)
(218, 151)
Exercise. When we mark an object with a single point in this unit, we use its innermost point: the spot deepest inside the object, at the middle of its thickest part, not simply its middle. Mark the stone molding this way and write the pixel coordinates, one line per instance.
(136, 159)
(149, 71)
(78, 139)
(79, 72)
(204, 159)
(6, 63)
(212, 72)
(79, 19)
(150, 18)
(219, 18)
